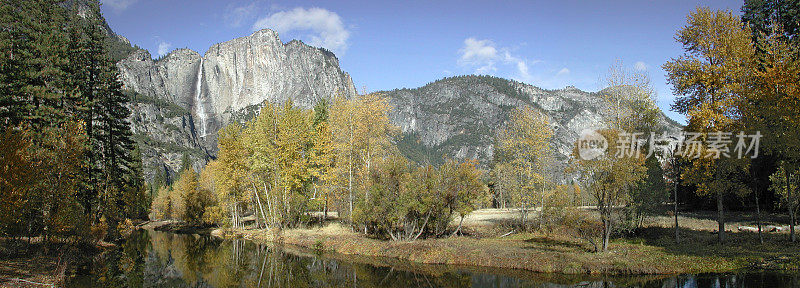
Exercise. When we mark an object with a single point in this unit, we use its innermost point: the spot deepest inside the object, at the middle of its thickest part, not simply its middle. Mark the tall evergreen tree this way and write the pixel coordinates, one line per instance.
(762, 15)
(56, 76)
(32, 67)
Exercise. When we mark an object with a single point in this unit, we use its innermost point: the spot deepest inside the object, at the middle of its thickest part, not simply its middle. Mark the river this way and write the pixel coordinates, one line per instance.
(159, 259)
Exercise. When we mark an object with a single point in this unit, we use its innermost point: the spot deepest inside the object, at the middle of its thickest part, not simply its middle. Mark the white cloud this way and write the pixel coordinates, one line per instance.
(325, 27)
(486, 58)
(164, 48)
(523, 70)
(118, 5)
(235, 16)
(640, 66)
(563, 71)
(479, 53)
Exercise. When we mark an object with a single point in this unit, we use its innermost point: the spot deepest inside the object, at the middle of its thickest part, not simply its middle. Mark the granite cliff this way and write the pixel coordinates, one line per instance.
(458, 117)
(180, 101)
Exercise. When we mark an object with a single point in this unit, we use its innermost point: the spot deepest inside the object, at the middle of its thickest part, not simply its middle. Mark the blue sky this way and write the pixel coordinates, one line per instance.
(386, 45)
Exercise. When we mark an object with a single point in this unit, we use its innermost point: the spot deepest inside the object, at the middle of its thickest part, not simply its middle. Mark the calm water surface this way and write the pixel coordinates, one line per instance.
(158, 259)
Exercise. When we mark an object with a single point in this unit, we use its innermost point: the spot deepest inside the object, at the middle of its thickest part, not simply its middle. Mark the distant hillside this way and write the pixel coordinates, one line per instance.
(458, 117)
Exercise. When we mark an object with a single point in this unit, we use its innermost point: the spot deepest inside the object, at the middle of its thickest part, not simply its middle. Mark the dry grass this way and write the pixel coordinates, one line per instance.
(650, 250)
(707, 221)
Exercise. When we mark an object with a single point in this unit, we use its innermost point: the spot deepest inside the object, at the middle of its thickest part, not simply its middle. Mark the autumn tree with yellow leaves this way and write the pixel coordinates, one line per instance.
(772, 108)
(524, 147)
(609, 179)
(361, 133)
(711, 78)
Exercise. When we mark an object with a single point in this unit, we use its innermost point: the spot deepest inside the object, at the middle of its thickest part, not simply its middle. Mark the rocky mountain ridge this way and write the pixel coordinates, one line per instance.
(181, 100)
(458, 117)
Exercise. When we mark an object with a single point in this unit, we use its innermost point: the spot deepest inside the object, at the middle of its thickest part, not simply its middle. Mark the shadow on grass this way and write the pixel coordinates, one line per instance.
(777, 252)
(546, 242)
(739, 216)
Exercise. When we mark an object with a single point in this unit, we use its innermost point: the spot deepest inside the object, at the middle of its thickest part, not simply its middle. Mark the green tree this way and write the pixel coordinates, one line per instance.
(56, 80)
(461, 188)
(782, 182)
(647, 198)
(764, 15)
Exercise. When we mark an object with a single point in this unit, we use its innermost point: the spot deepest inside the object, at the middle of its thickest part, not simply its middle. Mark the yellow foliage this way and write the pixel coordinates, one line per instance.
(524, 147)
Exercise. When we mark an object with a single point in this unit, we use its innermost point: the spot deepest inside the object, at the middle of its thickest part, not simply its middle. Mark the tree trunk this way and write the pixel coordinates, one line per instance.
(350, 187)
(606, 231)
(422, 229)
(791, 205)
(260, 208)
(675, 211)
(502, 202)
(233, 218)
(758, 217)
(720, 218)
(541, 211)
(459, 226)
(270, 211)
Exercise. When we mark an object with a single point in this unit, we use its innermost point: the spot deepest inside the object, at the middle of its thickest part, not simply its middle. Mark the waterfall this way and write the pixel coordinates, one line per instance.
(200, 110)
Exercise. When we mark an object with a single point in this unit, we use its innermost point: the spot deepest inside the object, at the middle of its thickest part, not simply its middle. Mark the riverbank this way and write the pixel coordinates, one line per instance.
(648, 251)
(31, 263)
(29, 271)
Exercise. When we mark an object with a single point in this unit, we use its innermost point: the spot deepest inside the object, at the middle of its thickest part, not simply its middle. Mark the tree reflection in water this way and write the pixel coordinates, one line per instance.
(158, 259)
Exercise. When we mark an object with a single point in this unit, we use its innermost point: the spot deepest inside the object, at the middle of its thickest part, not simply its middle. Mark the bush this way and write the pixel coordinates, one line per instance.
(582, 225)
(404, 203)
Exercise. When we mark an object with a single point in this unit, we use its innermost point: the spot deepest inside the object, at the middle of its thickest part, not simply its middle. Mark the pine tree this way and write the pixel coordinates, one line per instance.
(58, 82)
(763, 15)
(33, 65)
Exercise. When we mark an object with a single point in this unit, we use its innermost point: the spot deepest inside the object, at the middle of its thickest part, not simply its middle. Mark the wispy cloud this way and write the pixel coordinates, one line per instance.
(485, 57)
(118, 5)
(523, 70)
(641, 66)
(563, 71)
(235, 16)
(323, 27)
(164, 48)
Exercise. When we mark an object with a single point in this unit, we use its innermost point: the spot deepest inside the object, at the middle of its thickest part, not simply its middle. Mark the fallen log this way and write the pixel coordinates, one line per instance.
(509, 233)
(773, 228)
(747, 228)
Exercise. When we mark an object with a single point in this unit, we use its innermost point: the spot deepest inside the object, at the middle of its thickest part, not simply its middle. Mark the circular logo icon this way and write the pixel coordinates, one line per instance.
(591, 144)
